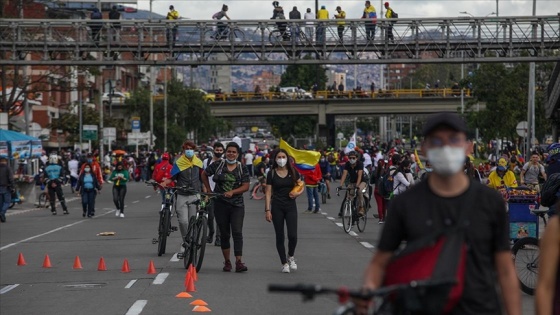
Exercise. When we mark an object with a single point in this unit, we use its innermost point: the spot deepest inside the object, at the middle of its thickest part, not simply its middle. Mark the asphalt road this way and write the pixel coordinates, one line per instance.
(325, 255)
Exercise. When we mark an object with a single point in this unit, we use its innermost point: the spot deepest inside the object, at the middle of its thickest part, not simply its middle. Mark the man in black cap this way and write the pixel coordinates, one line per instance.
(449, 199)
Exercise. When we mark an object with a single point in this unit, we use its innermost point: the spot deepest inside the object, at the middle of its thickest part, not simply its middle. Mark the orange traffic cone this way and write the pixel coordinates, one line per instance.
(151, 268)
(101, 266)
(188, 277)
(190, 285)
(199, 303)
(202, 309)
(47, 262)
(183, 295)
(193, 273)
(21, 260)
(125, 267)
(77, 263)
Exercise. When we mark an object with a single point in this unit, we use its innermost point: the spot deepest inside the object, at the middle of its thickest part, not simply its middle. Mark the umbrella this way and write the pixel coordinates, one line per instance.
(119, 152)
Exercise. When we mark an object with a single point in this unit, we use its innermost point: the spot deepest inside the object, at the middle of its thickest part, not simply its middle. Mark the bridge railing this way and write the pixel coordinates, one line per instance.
(264, 39)
(278, 96)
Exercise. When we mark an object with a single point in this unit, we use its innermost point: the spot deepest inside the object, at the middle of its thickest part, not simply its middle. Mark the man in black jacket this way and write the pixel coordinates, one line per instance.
(116, 26)
(6, 187)
(295, 15)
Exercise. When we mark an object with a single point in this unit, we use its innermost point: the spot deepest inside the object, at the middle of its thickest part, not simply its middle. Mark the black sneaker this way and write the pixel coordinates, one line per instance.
(218, 242)
(2, 218)
(66, 211)
(84, 214)
(209, 239)
(53, 212)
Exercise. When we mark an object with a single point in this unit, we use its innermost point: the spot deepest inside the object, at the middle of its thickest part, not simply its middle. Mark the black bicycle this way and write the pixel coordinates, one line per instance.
(197, 232)
(349, 212)
(225, 32)
(164, 226)
(398, 299)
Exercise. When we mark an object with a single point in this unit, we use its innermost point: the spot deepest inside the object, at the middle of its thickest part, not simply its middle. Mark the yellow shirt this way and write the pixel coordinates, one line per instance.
(495, 182)
(389, 13)
(323, 14)
(173, 15)
(340, 16)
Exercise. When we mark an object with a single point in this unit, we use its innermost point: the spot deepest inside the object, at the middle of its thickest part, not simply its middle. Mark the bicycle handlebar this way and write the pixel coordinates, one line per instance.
(309, 291)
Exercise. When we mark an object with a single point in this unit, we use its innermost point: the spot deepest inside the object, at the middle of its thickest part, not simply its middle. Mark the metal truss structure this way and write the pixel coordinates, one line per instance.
(248, 42)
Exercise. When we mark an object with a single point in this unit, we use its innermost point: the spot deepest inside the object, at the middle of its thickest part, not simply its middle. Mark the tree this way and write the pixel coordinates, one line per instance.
(69, 125)
(304, 76)
(186, 112)
(297, 126)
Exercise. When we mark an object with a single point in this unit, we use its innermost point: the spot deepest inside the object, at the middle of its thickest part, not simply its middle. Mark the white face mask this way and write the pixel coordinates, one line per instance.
(447, 161)
(282, 162)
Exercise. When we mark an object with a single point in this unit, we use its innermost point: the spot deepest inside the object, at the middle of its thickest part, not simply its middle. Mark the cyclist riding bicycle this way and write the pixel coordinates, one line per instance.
(352, 177)
(221, 26)
(162, 171)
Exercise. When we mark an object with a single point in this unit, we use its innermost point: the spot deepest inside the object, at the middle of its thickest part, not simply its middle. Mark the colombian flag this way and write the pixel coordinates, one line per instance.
(305, 161)
(183, 163)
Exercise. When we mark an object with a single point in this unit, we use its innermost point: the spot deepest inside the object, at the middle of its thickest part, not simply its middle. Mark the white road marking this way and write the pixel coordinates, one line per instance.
(137, 307)
(136, 201)
(352, 233)
(174, 258)
(130, 284)
(324, 213)
(40, 235)
(367, 245)
(330, 218)
(339, 224)
(8, 288)
(160, 278)
(148, 196)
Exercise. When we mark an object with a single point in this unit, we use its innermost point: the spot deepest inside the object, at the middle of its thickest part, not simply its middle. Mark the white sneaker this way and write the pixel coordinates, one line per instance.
(121, 215)
(292, 263)
(286, 268)
(117, 213)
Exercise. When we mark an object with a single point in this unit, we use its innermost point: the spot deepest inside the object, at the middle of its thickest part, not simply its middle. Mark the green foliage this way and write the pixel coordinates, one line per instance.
(297, 126)
(304, 76)
(186, 112)
(70, 124)
(430, 73)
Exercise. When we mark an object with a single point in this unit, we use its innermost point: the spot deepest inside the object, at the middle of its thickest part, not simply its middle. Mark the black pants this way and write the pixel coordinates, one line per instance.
(211, 217)
(370, 31)
(58, 191)
(88, 201)
(340, 29)
(119, 192)
(230, 222)
(171, 35)
(279, 215)
(390, 35)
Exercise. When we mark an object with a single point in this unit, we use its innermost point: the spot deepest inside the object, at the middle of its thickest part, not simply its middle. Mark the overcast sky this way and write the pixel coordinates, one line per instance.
(250, 9)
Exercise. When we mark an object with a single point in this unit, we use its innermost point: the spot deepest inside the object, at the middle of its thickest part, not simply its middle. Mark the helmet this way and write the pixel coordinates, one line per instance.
(275, 4)
(165, 156)
(53, 159)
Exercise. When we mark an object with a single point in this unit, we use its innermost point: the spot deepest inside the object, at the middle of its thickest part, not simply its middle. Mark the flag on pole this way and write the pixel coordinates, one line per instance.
(418, 162)
(351, 146)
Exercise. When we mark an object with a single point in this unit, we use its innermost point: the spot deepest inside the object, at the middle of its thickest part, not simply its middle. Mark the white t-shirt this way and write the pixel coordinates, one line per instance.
(73, 168)
(249, 159)
(309, 16)
(367, 159)
(237, 140)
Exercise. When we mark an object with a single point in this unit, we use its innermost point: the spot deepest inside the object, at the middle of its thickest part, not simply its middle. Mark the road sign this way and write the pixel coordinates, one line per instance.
(340, 136)
(89, 132)
(135, 124)
(522, 129)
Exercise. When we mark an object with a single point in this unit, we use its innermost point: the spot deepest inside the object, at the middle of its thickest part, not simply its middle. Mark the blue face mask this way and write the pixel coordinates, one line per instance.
(231, 161)
(429, 170)
(189, 153)
(89, 160)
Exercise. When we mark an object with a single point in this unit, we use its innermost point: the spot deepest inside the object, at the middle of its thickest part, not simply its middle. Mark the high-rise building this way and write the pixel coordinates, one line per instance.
(220, 75)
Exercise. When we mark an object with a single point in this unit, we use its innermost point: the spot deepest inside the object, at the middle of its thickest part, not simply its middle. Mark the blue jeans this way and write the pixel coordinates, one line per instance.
(313, 193)
(5, 199)
(88, 201)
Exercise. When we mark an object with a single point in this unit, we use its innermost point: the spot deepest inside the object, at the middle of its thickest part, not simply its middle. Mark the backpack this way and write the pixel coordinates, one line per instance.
(395, 15)
(549, 190)
(386, 188)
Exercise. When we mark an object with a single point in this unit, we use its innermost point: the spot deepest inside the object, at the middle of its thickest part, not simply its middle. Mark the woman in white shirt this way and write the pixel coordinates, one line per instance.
(400, 181)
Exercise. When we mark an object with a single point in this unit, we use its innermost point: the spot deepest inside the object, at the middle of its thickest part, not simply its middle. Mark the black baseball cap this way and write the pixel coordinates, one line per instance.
(447, 119)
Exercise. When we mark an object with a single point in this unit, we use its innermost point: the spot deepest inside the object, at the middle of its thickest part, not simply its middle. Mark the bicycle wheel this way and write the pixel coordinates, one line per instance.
(163, 233)
(526, 254)
(258, 193)
(209, 36)
(361, 222)
(201, 228)
(43, 200)
(347, 217)
(236, 35)
(189, 242)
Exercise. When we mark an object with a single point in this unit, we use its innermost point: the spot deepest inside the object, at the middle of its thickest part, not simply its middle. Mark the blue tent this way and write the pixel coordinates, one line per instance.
(16, 145)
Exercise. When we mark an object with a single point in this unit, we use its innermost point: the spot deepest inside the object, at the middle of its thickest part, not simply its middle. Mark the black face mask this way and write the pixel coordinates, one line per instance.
(218, 155)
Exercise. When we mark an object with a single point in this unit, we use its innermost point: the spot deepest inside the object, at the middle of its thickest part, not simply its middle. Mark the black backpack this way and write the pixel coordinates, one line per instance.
(549, 190)
(395, 15)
